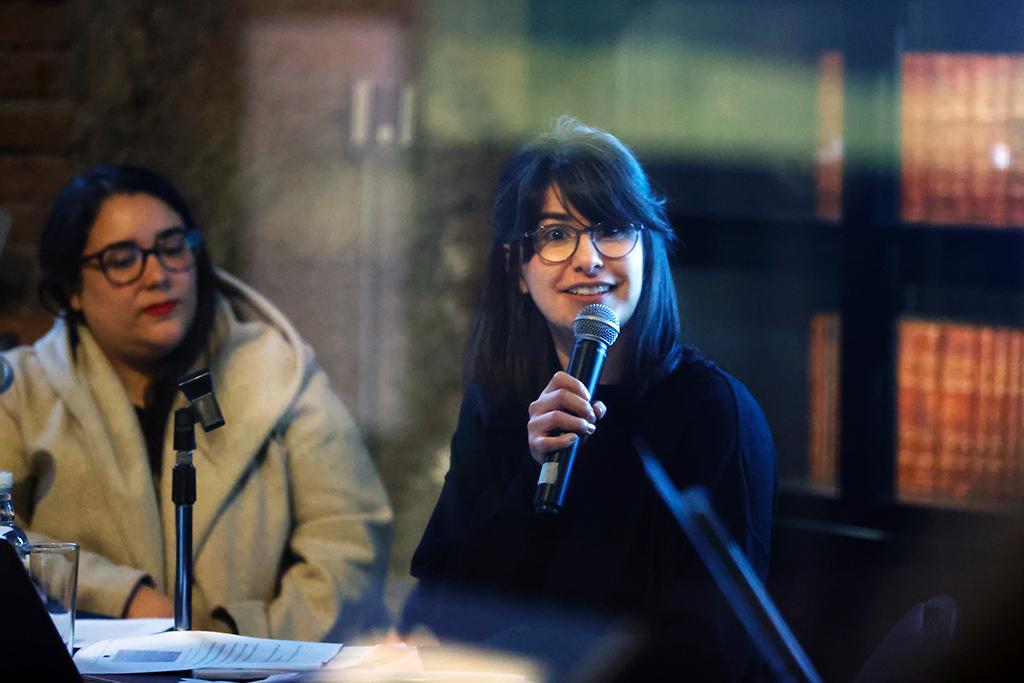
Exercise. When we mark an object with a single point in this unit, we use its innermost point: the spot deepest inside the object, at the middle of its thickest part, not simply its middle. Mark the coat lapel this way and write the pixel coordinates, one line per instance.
(114, 443)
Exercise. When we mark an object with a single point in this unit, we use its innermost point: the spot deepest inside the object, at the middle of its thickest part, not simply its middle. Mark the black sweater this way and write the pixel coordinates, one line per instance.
(487, 562)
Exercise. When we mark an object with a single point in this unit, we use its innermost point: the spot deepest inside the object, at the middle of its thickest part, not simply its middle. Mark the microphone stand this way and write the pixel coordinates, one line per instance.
(183, 493)
(203, 410)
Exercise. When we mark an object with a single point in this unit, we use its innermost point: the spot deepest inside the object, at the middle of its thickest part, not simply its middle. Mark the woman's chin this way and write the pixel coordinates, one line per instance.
(158, 347)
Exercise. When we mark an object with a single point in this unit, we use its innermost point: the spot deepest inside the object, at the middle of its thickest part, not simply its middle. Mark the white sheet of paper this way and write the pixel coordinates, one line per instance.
(191, 650)
(89, 631)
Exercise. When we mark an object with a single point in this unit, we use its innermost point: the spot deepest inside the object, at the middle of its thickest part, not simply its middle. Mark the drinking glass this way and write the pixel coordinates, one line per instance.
(53, 568)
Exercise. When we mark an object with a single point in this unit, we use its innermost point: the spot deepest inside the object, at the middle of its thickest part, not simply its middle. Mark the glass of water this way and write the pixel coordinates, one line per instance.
(53, 568)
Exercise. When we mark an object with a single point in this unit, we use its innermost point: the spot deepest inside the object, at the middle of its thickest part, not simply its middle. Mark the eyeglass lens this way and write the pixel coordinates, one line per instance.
(124, 263)
(558, 241)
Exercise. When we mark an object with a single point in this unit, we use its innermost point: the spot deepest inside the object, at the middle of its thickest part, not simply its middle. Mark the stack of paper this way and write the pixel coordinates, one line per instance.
(200, 650)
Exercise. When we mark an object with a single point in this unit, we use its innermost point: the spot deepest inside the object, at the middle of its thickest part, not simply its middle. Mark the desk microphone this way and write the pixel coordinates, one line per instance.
(596, 328)
(203, 410)
(6, 375)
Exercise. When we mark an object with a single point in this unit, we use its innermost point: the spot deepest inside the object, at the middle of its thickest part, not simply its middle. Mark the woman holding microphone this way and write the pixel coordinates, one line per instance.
(575, 223)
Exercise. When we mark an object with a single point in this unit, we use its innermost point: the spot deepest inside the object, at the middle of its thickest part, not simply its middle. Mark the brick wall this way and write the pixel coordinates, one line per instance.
(37, 135)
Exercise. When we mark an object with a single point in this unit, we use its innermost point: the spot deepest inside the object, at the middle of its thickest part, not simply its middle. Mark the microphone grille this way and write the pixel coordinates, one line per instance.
(597, 322)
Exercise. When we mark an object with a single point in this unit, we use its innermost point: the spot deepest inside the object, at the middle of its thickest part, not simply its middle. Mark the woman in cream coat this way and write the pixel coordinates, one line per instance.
(291, 524)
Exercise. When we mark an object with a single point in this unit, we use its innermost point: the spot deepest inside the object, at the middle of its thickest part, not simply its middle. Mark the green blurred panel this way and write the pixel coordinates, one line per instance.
(672, 79)
(475, 91)
(674, 99)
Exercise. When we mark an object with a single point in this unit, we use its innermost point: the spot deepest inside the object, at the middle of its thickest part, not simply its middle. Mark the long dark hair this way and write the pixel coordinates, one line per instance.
(510, 344)
(60, 251)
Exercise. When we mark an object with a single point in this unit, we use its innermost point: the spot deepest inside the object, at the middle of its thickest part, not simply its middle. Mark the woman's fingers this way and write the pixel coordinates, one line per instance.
(556, 422)
(563, 380)
(565, 401)
(554, 430)
(542, 445)
(564, 392)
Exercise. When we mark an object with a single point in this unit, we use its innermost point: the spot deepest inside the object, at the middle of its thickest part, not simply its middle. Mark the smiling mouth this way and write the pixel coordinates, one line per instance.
(590, 290)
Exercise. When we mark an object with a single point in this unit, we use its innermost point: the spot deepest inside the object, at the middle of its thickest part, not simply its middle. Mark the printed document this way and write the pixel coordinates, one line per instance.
(89, 631)
(196, 650)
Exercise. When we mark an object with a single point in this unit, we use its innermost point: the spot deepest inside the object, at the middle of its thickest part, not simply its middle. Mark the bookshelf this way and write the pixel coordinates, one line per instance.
(934, 363)
(877, 319)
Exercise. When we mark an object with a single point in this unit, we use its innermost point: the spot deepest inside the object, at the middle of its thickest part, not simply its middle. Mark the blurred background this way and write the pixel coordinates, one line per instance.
(846, 179)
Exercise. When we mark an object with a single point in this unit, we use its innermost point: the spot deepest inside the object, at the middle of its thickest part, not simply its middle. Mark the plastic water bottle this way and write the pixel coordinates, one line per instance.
(9, 529)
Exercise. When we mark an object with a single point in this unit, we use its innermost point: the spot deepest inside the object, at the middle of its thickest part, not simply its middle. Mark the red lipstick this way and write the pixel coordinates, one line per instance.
(161, 309)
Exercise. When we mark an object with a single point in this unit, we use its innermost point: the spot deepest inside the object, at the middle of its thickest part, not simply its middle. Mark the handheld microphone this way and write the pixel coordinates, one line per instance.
(596, 328)
(6, 375)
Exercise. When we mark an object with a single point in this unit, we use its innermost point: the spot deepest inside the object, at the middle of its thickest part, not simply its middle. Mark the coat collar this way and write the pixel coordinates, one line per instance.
(95, 397)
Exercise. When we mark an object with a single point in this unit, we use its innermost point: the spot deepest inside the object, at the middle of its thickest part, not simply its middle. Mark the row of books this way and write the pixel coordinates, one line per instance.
(962, 138)
(960, 411)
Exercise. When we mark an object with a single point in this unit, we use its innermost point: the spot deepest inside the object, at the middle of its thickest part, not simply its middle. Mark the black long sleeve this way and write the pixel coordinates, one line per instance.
(488, 563)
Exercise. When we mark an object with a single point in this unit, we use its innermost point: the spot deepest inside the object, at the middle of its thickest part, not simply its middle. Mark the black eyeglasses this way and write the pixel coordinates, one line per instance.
(557, 242)
(122, 263)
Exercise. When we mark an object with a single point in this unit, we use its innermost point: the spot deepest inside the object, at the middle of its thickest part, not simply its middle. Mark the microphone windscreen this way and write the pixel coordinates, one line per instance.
(597, 322)
(198, 389)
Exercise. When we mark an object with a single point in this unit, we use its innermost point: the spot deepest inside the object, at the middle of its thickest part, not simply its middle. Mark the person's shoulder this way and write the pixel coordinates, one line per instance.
(37, 370)
(255, 350)
(247, 324)
(53, 348)
(695, 380)
(700, 388)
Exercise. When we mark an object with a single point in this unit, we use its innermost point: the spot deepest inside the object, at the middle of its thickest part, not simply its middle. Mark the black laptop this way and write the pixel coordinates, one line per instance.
(30, 647)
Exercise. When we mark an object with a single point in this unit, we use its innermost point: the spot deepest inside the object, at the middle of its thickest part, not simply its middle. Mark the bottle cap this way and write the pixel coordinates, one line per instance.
(6, 479)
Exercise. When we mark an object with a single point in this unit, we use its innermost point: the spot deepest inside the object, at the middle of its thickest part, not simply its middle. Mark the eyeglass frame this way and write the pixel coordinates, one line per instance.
(532, 235)
(193, 240)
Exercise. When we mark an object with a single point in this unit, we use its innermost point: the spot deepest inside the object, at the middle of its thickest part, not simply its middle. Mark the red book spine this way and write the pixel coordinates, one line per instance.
(918, 408)
(958, 391)
(824, 380)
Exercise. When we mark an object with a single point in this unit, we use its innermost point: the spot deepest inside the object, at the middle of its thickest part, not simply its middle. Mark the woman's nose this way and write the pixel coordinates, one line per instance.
(153, 272)
(587, 258)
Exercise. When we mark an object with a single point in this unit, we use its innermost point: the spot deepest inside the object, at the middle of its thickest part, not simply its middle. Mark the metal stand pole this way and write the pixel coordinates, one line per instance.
(183, 493)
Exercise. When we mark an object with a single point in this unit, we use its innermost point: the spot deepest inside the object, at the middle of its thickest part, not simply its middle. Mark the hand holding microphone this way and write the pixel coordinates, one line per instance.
(565, 405)
(561, 414)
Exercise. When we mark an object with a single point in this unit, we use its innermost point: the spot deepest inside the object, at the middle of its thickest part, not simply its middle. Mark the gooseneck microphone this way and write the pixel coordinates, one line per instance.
(595, 328)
